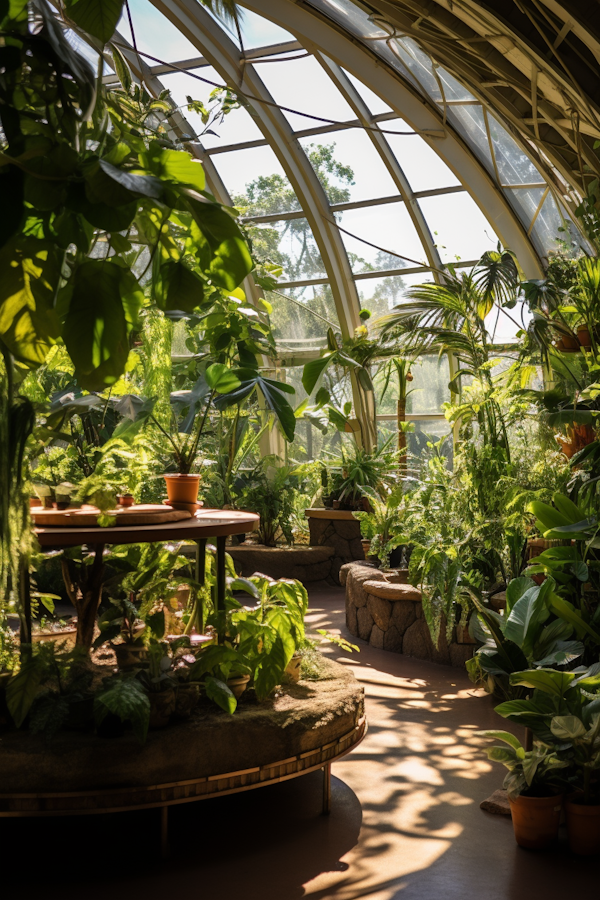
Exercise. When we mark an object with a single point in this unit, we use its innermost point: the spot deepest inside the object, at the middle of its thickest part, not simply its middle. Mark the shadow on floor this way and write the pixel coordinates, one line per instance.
(405, 821)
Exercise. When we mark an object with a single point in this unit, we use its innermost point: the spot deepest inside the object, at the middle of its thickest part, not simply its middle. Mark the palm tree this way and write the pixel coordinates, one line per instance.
(450, 317)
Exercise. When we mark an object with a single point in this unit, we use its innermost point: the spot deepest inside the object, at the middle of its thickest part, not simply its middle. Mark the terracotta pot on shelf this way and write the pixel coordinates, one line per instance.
(583, 336)
(238, 685)
(567, 343)
(583, 826)
(536, 820)
(182, 488)
(126, 500)
(578, 437)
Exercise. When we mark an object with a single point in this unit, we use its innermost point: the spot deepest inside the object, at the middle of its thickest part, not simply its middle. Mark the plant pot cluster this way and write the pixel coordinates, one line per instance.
(536, 821)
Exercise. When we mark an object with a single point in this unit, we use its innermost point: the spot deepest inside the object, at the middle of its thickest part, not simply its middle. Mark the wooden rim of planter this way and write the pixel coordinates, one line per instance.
(110, 800)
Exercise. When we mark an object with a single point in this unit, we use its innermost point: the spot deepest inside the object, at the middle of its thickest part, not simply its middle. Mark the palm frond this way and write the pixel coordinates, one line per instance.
(227, 10)
(496, 277)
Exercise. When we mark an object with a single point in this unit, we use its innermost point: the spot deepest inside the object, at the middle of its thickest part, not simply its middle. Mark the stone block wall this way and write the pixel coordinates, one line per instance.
(386, 612)
(343, 535)
(304, 563)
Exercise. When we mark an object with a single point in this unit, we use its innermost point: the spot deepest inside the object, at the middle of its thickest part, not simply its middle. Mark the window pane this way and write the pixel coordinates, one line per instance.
(380, 295)
(303, 84)
(425, 431)
(260, 32)
(526, 201)
(256, 181)
(459, 228)
(469, 121)
(514, 167)
(428, 389)
(349, 168)
(293, 323)
(290, 244)
(422, 166)
(237, 126)
(155, 34)
(389, 226)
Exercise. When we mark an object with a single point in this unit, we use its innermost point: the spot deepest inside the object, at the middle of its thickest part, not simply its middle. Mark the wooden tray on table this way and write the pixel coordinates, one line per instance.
(87, 516)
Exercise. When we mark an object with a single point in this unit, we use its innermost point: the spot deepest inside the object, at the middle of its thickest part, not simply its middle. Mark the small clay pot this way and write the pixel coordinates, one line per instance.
(583, 336)
(536, 820)
(129, 656)
(126, 500)
(162, 707)
(238, 685)
(366, 545)
(583, 826)
(292, 669)
(182, 488)
(567, 343)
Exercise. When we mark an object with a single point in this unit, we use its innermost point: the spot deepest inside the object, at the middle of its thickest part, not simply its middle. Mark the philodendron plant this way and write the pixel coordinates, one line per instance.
(529, 771)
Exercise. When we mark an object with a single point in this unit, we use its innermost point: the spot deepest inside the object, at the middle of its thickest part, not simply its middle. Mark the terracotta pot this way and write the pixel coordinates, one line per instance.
(583, 336)
(126, 500)
(182, 488)
(583, 826)
(579, 436)
(129, 656)
(536, 820)
(238, 685)
(366, 545)
(293, 668)
(162, 707)
(567, 343)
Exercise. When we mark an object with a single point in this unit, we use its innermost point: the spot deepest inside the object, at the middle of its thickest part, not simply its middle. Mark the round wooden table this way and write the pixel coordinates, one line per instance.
(205, 524)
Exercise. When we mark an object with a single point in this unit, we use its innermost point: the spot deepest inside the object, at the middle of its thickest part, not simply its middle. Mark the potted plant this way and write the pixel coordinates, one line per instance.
(382, 526)
(534, 795)
(159, 684)
(122, 620)
(583, 805)
(356, 475)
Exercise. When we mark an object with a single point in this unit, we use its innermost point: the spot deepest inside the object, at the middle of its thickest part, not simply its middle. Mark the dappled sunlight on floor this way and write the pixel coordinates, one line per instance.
(405, 822)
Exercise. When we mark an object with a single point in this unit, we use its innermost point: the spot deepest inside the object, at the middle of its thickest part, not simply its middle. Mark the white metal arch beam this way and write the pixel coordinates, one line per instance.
(317, 33)
(216, 46)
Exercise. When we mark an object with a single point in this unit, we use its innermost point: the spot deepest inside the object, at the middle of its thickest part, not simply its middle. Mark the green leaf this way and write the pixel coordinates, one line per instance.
(221, 378)
(565, 610)
(127, 699)
(175, 165)
(567, 508)
(564, 652)
(29, 276)
(567, 728)
(121, 67)
(22, 689)
(180, 289)
(103, 310)
(273, 393)
(220, 694)
(546, 680)
(231, 261)
(314, 369)
(527, 617)
(516, 589)
(97, 17)
(548, 516)
(505, 736)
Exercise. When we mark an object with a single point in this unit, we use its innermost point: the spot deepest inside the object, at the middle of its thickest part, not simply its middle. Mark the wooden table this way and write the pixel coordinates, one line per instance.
(207, 523)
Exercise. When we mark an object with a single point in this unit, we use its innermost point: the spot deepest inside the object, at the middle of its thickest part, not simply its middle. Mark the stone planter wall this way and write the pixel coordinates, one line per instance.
(304, 563)
(386, 611)
(339, 530)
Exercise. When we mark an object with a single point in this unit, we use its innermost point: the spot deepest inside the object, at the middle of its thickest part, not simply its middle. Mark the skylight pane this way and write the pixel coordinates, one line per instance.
(290, 244)
(349, 166)
(302, 84)
(155, 34)
(295, 325)
(260, 32)
(388, 226)
(256, 182)
(422, 166)
(458, 226)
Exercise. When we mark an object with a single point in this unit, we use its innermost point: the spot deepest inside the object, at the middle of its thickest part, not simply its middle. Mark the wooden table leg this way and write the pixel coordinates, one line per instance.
(220, 604)
(326, 790)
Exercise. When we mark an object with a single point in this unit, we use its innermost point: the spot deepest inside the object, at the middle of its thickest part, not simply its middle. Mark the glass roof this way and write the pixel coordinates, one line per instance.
(335, 187)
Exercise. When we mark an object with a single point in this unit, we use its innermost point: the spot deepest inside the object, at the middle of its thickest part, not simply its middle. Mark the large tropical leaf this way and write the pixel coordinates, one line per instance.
(272, 392)
(96, 17)
(527, 617)
(103, 310)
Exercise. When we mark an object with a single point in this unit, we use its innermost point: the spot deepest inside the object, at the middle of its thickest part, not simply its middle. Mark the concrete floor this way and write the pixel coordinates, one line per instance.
(405, 820)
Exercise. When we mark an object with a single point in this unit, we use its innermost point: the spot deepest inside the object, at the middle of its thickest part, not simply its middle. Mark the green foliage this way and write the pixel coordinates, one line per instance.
(382, 525)
(124, 697)
(529, 771)
(269, 491)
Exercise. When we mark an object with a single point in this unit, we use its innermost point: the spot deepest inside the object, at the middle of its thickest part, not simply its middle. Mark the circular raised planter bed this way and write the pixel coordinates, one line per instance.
(208, 755)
